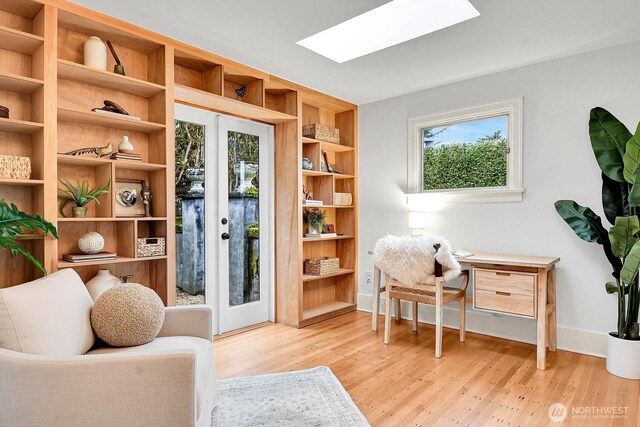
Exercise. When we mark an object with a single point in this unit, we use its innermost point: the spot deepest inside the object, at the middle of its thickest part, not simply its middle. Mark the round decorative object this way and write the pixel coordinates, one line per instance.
(91, 243)
(101, 282)
(95, 53)
(4, 112)
(307, 164)
(125, 146)
(127, 315)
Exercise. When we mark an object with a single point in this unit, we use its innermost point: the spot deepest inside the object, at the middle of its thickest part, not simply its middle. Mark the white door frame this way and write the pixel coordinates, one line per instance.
(212, 238)
(266, 175)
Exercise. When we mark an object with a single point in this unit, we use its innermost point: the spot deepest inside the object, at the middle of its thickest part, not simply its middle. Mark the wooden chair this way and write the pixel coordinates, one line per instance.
(436, 294)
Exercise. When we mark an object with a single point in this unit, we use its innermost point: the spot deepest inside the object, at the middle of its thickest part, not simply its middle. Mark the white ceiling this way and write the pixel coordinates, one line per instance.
(263, 34)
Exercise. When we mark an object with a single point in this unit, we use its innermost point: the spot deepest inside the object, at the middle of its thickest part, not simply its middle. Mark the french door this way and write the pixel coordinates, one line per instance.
(224, 210)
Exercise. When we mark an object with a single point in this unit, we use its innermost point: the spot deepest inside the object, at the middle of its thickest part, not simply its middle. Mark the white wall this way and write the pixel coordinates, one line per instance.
(558, 164)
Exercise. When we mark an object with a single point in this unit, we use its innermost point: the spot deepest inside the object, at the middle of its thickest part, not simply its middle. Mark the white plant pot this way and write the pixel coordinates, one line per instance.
(95, 53)
(623, 358)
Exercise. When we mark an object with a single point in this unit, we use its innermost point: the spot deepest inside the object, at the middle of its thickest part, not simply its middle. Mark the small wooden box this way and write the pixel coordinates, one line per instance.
(321, 266)
(321, 133)
(342, 199)
(151, 246)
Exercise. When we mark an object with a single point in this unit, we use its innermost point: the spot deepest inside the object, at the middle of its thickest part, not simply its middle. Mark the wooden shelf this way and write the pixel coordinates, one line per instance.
(19, 41)
(19, 126)
(328, 206)
(95, 219)
(327, 146)
(341, 272)
(325, 311)
(234, 107)
(115, 122)
(318, 173)
(20, 84)
(118, 260)
(92, 76)
(21, 182)
(120, 164)
(326, 239)
(30, 237)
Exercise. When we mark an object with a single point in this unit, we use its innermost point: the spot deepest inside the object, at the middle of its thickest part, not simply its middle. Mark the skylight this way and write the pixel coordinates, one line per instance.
(388, 25)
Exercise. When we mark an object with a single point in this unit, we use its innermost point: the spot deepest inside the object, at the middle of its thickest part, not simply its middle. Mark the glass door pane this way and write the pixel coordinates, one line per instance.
(244, 218)
(190, 213)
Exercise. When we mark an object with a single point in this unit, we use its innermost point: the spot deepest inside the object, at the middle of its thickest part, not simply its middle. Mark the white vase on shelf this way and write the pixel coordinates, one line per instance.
(101, 282)
(125, 146)
(95, 53)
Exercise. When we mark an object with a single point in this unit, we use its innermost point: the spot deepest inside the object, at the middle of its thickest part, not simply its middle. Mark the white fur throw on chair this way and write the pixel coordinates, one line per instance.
(410, 260)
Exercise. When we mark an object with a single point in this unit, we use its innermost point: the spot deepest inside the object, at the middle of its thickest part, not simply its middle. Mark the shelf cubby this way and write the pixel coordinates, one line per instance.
(198, 73)
(142, 59)
(96, 176)
(118, 237)
(234, 79)
(155, 179)
(282, 99)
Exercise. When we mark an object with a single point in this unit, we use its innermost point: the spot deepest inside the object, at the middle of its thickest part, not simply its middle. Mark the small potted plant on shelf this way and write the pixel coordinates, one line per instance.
(80, 195)
(315, 220)
(14, 223)
(616, 151)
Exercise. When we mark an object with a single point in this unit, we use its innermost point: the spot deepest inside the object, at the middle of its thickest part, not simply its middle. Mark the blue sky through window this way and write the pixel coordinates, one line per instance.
(468, 132)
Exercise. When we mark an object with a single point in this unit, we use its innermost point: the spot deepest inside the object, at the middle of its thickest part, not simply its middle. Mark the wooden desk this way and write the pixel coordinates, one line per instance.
(516, 285)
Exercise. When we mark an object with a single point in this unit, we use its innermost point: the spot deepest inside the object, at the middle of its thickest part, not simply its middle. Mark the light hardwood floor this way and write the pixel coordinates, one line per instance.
(484, 381)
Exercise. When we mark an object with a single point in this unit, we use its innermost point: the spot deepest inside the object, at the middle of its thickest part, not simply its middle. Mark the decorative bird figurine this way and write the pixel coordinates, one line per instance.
(241, 92)
(98, 151)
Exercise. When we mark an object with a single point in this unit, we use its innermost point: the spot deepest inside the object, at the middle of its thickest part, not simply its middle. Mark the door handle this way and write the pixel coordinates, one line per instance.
(225, 236)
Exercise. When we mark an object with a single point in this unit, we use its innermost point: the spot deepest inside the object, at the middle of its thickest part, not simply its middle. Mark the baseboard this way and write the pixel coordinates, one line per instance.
(503, 326)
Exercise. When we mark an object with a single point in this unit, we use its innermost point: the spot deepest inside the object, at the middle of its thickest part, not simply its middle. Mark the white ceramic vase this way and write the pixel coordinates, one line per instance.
(125, 146)
(95, 53)
(101, 282)
(623, 358)
(91, 243)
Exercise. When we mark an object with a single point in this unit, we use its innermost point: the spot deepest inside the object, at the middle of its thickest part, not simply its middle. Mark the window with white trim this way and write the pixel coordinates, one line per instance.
(473, 154)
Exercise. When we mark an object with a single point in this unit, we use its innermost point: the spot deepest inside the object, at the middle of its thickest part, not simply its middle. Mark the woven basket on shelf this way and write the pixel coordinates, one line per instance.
(151, 246)
(342, 199)
(321, 133)
(16, 167)
(321, 266)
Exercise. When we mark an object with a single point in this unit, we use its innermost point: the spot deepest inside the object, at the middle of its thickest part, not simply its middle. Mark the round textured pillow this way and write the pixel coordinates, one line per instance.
(127, 315)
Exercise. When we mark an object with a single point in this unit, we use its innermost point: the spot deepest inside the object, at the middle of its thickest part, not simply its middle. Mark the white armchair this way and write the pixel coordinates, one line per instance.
(49, 381)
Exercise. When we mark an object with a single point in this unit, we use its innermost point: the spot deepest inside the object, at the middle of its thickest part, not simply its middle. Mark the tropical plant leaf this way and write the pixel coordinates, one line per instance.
(609, 138)
(631, 158)
(13, 223)
(588, 226)
(615, 197)
(623, 235)
(581, 219)
(631, 264)
(612, 288)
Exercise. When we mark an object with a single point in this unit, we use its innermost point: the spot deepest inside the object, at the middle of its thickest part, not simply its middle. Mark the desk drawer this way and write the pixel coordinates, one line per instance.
(505, 302)
(505, 281)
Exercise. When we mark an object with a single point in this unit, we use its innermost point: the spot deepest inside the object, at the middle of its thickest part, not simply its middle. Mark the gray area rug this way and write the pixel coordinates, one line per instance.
(313, 397)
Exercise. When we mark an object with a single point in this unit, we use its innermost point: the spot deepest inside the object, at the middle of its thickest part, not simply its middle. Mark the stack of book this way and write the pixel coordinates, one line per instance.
(321, 235)
(101, 256)
(313, 202)
(126, 156)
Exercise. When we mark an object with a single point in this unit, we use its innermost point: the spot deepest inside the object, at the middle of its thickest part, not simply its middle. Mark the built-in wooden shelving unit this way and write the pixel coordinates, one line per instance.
(50, 93)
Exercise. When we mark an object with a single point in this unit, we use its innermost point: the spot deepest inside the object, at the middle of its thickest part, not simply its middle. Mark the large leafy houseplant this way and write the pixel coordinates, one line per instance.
(14, 223)
(617, 152)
